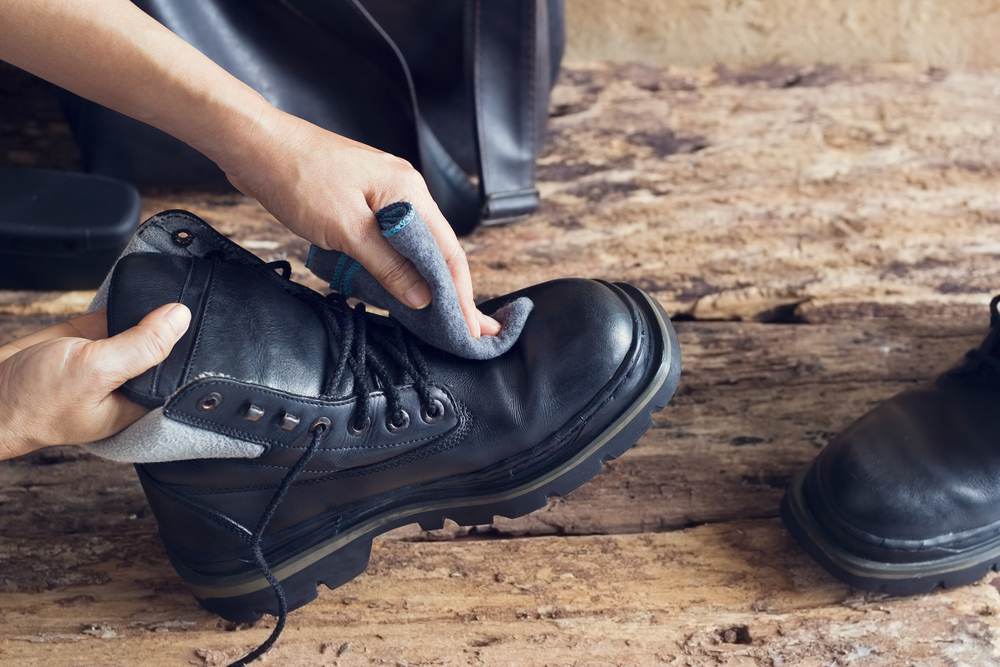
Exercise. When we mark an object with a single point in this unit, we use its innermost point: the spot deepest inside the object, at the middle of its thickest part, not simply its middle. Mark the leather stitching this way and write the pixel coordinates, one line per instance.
(208, 286)
(529, 45)
(349, 449)
(452, 439)
(484, 147)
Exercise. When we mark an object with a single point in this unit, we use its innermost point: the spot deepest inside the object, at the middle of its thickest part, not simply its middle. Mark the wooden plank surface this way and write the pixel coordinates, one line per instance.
(738, 593)
(839, 227)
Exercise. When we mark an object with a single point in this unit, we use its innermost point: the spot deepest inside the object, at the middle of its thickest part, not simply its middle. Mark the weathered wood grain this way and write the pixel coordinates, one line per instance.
(816, 193)
(739, 593)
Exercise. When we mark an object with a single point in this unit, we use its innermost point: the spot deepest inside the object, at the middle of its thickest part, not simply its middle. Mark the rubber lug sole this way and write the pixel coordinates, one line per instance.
(344, 557)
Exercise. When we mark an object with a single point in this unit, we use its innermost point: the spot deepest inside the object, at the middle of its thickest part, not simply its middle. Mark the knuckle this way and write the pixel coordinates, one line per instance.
(334, 237)
(404, 179)
(455, 258)
(454, 253)
(396, 180)
(405, 164)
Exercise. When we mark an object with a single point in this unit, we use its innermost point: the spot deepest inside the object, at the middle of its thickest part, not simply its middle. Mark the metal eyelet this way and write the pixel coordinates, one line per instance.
(398, 428)
(320, 422)
(433, 412)
(209, 401)
(183, 237)
(356, 428)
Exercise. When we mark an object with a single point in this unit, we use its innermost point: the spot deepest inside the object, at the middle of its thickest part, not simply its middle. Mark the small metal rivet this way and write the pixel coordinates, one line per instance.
(253, 412)
(288, 421)
(209, 401)
(183, 237)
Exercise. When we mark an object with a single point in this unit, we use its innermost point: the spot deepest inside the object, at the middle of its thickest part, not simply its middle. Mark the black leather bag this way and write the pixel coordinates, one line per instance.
(459, 88)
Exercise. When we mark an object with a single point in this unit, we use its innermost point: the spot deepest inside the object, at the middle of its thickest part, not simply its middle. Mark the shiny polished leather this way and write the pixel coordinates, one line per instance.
(583, 355)
(459, 88)
(908, 496)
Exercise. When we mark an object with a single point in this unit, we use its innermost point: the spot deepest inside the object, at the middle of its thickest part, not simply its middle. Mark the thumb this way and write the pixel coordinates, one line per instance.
(136, 350)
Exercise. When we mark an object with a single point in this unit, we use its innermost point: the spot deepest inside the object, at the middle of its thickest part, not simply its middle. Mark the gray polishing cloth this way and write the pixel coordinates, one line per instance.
(157, 438)
(441, 323)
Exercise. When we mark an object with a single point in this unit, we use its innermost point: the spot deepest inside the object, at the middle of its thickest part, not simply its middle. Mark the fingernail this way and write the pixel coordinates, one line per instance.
(179, 318)
(418, 296)
(491, 326)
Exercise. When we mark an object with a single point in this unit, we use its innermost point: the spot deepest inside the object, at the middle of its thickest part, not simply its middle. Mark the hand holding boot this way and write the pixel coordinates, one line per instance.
(58, 386)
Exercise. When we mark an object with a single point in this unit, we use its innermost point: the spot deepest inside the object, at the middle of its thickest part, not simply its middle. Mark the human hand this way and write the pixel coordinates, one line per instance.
(58, 385)
(325, 188)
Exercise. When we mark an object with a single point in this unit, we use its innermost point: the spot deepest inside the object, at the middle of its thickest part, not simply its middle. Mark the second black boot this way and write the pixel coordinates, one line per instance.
(908, 497)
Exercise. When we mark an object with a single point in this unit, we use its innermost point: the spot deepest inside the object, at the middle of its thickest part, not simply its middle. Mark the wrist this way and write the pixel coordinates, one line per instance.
(245, 138)
(230, 125)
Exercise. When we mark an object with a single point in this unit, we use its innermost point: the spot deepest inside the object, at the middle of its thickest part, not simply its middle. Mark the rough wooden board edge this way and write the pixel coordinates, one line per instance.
(781, 193)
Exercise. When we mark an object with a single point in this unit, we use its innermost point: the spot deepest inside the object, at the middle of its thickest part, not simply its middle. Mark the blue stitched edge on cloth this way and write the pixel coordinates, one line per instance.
(338, 272)
(345, 286)
(394, 218)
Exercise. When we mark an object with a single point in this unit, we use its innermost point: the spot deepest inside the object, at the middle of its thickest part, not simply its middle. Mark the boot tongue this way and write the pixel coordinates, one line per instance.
(981, 366)
(245, 325)
(377, 328)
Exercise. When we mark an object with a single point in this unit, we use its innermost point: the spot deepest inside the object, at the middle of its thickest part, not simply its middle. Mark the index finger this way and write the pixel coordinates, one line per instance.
(454, 256)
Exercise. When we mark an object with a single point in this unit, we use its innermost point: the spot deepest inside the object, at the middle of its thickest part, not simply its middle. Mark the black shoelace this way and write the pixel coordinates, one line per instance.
(983, 363)
(350, 340)
(258, 552)
(355, 342)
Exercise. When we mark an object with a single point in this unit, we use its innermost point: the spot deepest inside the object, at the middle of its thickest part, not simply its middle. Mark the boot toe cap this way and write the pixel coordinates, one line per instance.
(584, 325)
(922, 465)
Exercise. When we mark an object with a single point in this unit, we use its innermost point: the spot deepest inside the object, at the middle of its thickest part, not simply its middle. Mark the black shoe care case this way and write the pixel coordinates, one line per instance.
(61, 230)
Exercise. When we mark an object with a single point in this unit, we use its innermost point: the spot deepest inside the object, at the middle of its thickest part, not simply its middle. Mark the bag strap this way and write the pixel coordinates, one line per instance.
(510, 72)
(511, 76)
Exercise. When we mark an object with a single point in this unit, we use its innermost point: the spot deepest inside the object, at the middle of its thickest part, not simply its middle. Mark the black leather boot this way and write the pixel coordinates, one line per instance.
(362, 428)
(908, 497)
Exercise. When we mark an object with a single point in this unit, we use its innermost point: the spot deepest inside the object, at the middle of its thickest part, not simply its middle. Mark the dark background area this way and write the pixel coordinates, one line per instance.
(33, 132)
